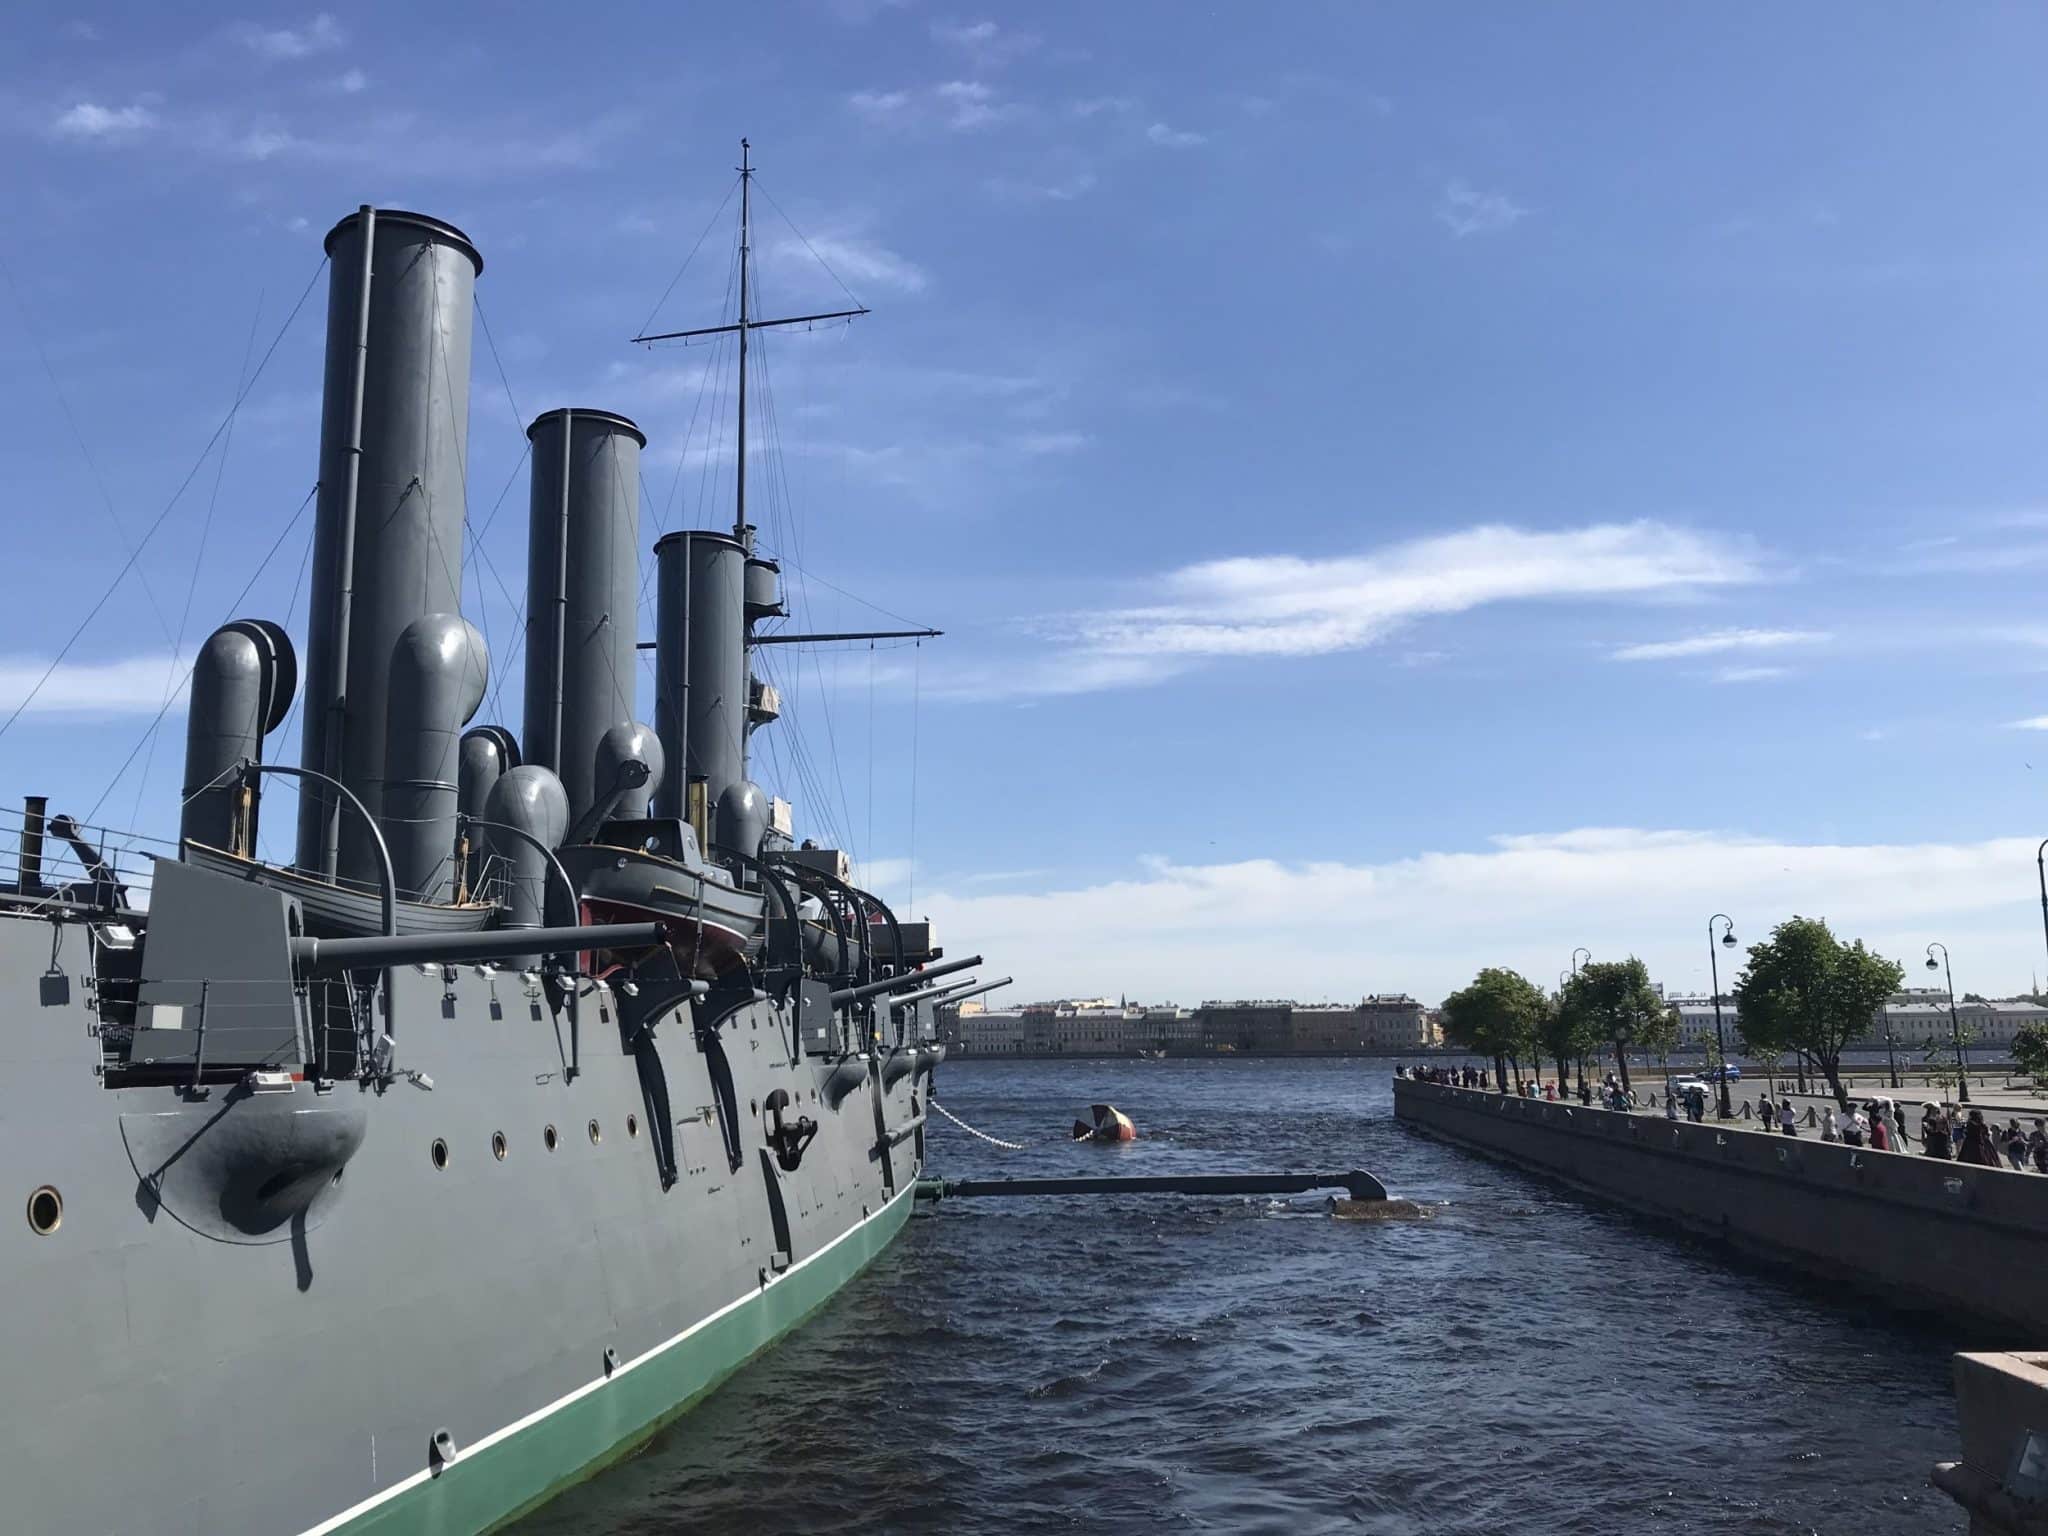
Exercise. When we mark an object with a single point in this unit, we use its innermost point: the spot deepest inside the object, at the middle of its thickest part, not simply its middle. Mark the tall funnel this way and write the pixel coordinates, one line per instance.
(700, 665)
(582, 592)
(387, 547)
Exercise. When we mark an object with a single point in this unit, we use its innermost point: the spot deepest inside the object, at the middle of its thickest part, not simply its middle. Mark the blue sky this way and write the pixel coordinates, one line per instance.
(1405, 488)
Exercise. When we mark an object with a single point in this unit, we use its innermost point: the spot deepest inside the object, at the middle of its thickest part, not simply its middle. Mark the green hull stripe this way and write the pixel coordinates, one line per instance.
(522, 1466)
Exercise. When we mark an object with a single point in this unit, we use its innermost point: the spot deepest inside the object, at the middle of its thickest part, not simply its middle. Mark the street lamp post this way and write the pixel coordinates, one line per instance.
(1581, 950)
(2041, 869)
(1955, 1025)
(1714, 965)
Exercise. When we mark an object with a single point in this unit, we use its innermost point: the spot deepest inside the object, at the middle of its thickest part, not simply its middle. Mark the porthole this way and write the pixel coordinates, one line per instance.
(548, 1138)
(45, 1211)
(596, 1135)
(632, 1125)
(498, 1145)
(439, 1153)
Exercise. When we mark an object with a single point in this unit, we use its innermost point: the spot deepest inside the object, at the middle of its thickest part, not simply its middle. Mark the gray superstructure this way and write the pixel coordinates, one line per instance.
(395, 1189)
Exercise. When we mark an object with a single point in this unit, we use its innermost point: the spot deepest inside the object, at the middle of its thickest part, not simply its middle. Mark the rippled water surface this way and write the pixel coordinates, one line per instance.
(1528, 1361)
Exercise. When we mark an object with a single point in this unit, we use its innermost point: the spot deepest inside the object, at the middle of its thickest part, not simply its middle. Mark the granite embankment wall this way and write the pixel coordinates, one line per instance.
(1970, 1242)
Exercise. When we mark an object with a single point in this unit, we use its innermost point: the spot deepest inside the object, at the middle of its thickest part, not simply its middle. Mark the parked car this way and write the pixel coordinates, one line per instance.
(1727, 1070)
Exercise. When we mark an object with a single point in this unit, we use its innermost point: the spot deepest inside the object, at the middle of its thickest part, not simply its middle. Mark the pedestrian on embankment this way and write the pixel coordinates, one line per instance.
(2015, 1145)
(1829, 1130)
(1881, 1132)
(1934, 1138)
(1977, 1147)
(1855, 1127)
(1899, 1119)
(2037, 1144)
(1788, 1118)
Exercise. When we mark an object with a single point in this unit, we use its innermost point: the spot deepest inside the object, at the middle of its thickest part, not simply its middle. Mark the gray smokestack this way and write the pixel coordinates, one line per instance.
(242, 684)
(387, 548)
(438, 671)
(582, 592)
(700, 665)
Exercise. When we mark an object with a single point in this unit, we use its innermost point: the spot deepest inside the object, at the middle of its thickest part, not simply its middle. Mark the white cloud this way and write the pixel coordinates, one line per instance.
(986, 43)
(1282, 605)
(972, 104)
(1051, 442)
(1174, 138)
(89, 120)
(1094, 106)
(1750, 674)
(1466, 211)
(2035, 723)
(879, 105)
(1720, 641)
(857, 261)
(1061, 190)
(132, 686)
(352, 81)
(320, 35)
(1427, 922)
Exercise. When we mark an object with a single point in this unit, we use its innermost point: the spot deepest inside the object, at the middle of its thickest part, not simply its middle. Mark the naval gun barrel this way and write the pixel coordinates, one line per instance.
(901, 983)
(956, 994)
(454, 948)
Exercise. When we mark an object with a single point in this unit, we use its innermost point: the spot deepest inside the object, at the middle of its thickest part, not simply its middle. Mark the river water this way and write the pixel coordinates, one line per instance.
(1526, 1361)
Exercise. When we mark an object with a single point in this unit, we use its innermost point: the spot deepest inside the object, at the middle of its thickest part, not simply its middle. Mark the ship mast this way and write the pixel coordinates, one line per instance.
(745, 326)
(740, 530)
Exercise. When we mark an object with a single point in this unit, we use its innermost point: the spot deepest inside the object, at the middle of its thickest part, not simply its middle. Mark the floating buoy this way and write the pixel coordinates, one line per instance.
(1111, 1124)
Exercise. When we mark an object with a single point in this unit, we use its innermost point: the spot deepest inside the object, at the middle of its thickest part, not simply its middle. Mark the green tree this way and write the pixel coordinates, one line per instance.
(1495, 1016)
(2030, 1050)
(1564, 1033)
(1944, 1057)
(1620, 1007)
(1804, 991)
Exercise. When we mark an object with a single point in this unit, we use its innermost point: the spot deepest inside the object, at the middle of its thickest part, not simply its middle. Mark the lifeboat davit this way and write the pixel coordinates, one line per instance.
(1111, 1124)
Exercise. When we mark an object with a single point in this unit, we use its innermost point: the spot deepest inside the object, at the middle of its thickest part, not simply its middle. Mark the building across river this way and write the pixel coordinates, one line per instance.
(1373, 1026)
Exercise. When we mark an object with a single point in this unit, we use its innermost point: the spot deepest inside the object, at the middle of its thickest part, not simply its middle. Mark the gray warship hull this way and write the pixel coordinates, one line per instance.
(395, 1188)
(176, 1368)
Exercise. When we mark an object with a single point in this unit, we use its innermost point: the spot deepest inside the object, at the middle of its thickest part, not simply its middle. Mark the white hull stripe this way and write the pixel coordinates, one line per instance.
(355, 1511)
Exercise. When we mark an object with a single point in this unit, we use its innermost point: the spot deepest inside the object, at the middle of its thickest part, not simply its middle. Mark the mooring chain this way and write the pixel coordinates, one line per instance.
(994, 1141)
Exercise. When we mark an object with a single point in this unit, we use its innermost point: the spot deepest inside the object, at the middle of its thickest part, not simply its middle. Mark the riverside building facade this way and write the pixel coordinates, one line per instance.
(1377, 1024)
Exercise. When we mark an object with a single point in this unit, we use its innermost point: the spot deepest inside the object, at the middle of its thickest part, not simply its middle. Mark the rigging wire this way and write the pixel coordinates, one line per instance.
(299, 696)
(820, 260)
(220, 470)
(247, 587)
(149, 533)
(84, 449)
(475, 536)
(916, 699)
(708, 224)
(772, 437)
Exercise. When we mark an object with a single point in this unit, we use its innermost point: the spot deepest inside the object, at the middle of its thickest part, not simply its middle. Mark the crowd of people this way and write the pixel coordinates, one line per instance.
(1949, 1133)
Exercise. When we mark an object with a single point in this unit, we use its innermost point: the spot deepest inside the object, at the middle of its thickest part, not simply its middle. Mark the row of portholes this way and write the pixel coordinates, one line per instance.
(501, 1148)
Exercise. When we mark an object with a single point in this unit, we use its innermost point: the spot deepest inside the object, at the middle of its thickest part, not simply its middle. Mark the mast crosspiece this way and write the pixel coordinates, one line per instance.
(745, 326)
